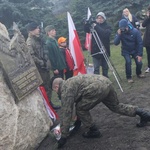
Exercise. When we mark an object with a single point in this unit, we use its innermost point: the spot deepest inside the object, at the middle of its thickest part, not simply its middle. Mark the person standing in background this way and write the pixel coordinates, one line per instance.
(146, 39)
(62, 42)
(54, 54)
(130, 18)
(104, 31)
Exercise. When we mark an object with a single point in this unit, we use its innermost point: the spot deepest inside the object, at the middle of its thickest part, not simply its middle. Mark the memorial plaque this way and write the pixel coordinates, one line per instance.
(19, 68)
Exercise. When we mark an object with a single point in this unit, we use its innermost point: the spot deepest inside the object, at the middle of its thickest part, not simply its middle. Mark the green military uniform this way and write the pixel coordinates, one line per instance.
(86, 91)
(55, 56)
(36, 49)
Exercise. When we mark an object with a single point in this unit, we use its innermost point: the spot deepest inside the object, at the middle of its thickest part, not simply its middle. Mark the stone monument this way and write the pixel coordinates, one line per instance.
(24, 121)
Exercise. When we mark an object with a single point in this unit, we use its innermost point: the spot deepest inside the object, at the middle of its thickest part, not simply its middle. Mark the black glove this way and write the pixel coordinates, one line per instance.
(77, 125)
(62, 142)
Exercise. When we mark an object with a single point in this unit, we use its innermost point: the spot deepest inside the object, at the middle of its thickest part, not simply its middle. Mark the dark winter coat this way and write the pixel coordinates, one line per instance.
(131, 42)
(134, 20)
(146, 39)
(55, 56)
(104, 31)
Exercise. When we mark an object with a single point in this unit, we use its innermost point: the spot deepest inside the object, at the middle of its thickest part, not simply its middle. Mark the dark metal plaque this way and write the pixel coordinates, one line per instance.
(18, 66)
(22, 78)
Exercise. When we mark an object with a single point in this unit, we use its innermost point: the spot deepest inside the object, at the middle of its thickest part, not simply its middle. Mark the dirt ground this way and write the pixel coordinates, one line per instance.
(118, 132)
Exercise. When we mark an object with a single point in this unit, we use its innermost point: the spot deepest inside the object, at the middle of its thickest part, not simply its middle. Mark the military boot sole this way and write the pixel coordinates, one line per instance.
(142, 123)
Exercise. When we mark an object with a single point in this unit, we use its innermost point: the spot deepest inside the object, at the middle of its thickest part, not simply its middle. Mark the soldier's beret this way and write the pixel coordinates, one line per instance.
(32, 26)
(52, 79)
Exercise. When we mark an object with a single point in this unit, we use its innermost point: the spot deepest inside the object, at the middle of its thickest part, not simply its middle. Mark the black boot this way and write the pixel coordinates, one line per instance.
(145, 117)
(92, 133)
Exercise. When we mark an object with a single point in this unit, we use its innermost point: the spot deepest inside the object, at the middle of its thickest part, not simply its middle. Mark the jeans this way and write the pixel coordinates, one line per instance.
(100, 62)
(128, 63)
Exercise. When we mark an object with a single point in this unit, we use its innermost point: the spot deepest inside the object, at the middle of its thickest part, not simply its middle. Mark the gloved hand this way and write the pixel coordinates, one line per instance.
(77, 125)
(62, 142)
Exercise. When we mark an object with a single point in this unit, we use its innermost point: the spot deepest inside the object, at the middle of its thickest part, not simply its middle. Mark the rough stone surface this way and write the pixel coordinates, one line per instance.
(23, 125)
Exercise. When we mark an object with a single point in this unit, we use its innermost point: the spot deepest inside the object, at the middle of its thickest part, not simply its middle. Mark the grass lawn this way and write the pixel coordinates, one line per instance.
(118, 62)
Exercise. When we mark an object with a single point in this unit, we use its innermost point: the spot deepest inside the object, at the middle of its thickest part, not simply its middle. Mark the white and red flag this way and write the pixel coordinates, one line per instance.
(51, 112)
(87, 44)
(75, 48)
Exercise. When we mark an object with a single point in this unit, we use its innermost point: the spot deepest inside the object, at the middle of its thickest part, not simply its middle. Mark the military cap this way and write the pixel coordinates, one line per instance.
(32, 26)
(49, 28)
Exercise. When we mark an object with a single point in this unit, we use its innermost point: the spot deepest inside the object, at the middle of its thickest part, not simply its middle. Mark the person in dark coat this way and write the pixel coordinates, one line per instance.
(130, 18)
(131, 47)
(85, 92)
(104, 31)
(146, 39)
(54, 54)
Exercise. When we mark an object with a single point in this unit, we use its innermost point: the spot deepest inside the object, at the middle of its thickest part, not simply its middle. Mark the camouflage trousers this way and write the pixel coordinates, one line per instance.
(108, 98)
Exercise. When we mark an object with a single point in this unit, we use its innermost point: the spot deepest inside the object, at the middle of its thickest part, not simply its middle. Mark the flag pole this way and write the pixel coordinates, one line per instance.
(75, 47)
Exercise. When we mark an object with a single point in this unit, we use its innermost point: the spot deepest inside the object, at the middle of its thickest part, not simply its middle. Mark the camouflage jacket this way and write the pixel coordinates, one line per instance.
(74, 89)
(36, 49)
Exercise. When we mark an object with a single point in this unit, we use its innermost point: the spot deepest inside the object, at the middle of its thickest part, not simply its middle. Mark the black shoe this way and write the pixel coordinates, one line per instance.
(145, 117)
(92, 133)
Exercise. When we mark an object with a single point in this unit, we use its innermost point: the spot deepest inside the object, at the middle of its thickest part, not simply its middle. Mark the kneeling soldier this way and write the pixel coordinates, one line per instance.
(86, 91)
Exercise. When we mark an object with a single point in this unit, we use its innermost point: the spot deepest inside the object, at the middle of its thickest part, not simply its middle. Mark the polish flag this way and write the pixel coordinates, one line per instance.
(87, 44)
(75, 48)
(51, 112)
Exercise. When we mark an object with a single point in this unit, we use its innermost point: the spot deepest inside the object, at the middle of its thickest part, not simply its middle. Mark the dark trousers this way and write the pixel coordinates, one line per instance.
(45, 75)
(100, 62)
(61, 73)
(128, 64)
(68, 74)
(148, 56)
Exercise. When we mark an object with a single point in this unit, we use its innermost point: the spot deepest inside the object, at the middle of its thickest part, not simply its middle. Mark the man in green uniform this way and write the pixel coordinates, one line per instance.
(86, 91)
(54, 54)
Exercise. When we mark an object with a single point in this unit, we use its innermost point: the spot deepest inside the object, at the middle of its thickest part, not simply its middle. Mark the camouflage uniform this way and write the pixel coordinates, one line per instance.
(36, 48)
(86, 91)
